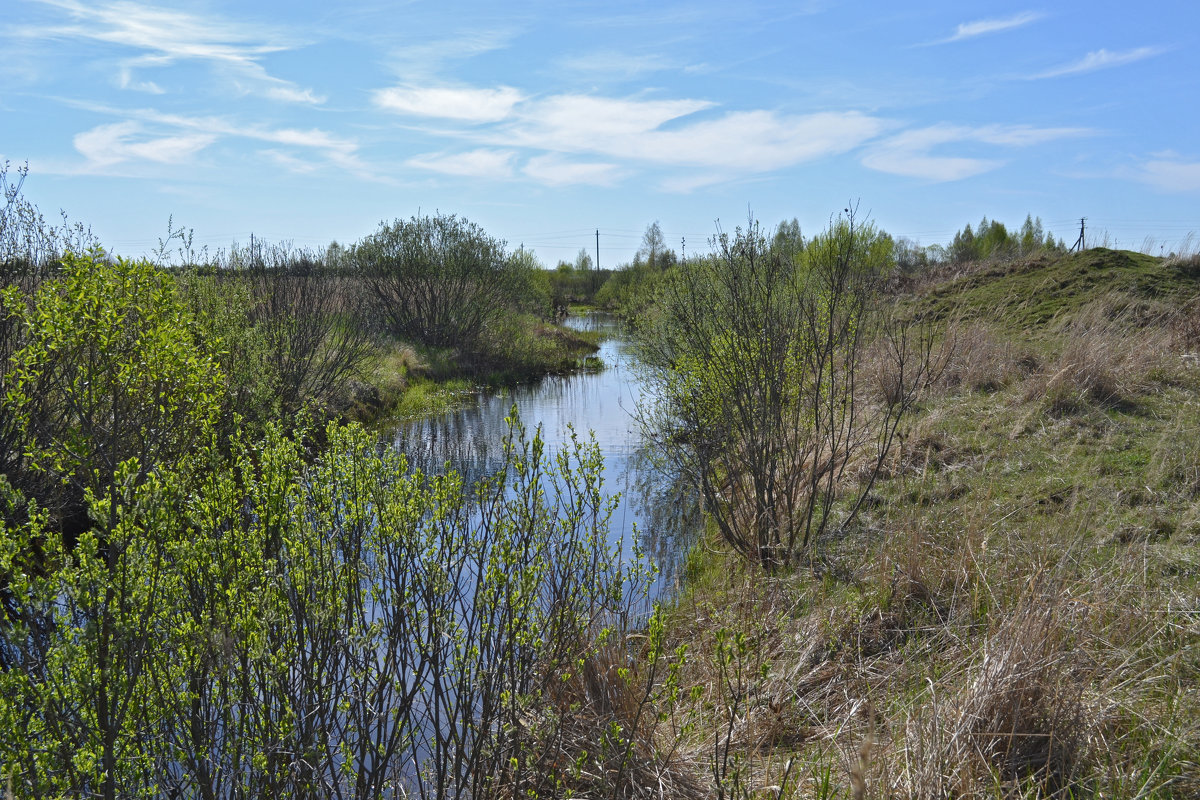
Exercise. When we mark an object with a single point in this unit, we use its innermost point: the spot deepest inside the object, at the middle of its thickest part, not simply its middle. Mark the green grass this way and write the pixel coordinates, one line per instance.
(1036, 294)
(425, 397)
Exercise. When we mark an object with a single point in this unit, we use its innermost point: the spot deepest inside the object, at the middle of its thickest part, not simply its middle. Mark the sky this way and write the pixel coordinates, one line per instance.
(543, 122)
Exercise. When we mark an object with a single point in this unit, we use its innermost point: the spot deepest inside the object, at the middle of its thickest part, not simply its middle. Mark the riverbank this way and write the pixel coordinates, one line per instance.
(1016, 613)
(407, 381)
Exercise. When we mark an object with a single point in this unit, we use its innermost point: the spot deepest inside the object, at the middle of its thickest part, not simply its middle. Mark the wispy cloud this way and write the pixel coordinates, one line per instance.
(647, 131)
(108, 145)
(426, 59)
(313, 147)
(167, 36)
(983, 27)
(1170, 173)
(465, 104)
(554, 170)
(608, 65)
(1100, 59)
(482, 163)
(910, 153)
(657, 133)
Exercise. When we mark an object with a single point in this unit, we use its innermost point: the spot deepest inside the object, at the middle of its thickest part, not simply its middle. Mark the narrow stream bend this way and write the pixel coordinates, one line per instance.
(659, 511)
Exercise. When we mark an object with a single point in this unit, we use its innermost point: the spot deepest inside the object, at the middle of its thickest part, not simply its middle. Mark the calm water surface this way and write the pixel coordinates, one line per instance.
(661, 514)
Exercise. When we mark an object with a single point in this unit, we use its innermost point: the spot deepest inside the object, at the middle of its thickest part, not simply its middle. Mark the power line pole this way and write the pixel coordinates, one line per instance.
(596, 279)
(1079, 241)
(683, 248)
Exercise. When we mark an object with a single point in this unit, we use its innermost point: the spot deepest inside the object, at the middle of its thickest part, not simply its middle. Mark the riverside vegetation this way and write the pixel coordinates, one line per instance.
(951, 500)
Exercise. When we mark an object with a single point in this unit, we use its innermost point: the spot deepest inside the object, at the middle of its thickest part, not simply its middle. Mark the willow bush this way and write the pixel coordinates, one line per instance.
(758, 361)
(440, 280)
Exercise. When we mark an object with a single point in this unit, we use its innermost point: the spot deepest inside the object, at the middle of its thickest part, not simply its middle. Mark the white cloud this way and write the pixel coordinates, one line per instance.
(313, 146)
(166, 36)
(465, 104)
(585, 123)
(982, 27)
(656, 132)
(290, 162)
(652, 131)
(687, 183)
(1100, 59)
(481, 163)
(106, 145)
(290, 94)
(1171, 174)
(760, 141)
(553, 170)
(909, 153)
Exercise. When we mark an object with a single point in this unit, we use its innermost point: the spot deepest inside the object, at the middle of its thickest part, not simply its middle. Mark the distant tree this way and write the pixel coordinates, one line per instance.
(963, 248)
(910, 256)
(788, 239)
(1031, 236)
(993, 241)
(583, 260)
(653, 248)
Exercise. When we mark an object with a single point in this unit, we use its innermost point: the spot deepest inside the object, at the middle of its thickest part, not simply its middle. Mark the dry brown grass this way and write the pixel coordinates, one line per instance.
(1015, 717)
(952, 659)
(1106, 356)
(982, 361)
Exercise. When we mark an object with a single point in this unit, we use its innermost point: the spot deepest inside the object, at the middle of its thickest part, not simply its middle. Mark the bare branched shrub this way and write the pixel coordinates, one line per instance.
(438, 280)
(598, 734)
(313, 319)
(292, 327)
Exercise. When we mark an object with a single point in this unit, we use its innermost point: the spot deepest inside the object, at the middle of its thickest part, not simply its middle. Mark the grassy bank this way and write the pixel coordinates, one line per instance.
(410, 381)
(1018, 612)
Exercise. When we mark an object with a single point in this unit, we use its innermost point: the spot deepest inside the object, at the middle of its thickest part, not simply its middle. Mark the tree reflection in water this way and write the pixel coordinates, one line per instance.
(659, 506)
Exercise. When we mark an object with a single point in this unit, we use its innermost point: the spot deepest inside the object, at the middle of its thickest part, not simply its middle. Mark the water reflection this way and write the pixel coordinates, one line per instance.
(663, 513)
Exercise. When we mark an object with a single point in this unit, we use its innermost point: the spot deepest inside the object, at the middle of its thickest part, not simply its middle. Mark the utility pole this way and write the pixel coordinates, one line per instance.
(683, 248)
(1079, 241)
(596, 273)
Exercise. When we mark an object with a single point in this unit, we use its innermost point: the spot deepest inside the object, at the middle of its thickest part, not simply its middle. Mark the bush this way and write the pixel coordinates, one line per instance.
(754, 360)
(439, 280)
(110, 371)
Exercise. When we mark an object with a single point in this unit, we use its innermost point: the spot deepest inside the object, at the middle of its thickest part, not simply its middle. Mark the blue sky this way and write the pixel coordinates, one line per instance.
(313, 121)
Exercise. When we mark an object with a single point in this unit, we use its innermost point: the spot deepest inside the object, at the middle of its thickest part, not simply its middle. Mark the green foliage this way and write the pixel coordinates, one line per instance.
(439, 280)
(631, 291)
(222, 304)
(293, 326)
(576, 283)
(111, 371)
(788, 240)
(250, 626)
(991, 240)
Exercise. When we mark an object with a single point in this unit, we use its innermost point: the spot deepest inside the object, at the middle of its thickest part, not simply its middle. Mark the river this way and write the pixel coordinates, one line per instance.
(652, 507)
